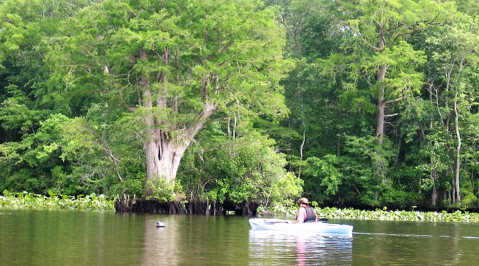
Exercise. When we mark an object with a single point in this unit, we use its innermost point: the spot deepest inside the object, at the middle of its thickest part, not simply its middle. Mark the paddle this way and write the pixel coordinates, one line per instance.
(277, 222)
(320, 220)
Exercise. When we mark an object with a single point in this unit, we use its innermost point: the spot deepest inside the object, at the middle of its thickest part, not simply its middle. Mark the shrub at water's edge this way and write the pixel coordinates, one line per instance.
(25, 200)
(384, 215)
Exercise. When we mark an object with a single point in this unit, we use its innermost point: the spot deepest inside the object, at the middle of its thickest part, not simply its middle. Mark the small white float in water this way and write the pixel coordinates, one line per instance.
(159, 224)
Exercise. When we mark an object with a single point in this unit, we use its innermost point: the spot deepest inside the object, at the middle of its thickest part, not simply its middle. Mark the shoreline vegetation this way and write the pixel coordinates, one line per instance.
(384, 215)
(354, 108)
(25, 200)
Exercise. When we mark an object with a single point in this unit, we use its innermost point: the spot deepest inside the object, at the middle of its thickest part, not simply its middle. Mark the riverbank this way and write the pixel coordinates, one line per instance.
(25, 200)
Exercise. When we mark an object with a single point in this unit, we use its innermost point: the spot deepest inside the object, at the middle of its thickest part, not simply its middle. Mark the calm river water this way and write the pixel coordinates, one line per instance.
(54, 238)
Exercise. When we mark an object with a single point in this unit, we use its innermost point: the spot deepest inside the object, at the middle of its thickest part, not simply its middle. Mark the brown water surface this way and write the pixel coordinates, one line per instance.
(37, 238)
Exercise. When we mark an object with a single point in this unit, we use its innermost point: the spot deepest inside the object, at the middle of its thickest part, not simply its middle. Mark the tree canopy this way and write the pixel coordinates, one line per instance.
(347, 102)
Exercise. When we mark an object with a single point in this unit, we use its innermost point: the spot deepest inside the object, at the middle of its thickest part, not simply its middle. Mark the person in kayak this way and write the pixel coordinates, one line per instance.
(305, 213)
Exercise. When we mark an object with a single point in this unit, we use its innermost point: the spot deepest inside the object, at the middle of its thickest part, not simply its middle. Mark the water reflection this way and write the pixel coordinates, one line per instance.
(413, 243)
(161, 242)
(195, 240)
(282, 248)
(58, 238)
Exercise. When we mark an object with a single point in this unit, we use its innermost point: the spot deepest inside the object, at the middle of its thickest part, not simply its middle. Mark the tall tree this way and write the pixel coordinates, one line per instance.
(453, 51)
(315, 116)
(169, 66)
(26, 104)
(377, 53)
(24, 97)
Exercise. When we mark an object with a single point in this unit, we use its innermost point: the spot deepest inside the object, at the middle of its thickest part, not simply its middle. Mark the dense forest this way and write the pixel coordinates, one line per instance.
(351, 103)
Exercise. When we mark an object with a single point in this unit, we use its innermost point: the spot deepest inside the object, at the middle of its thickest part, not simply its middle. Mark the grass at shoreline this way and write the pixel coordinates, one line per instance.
(25, 200)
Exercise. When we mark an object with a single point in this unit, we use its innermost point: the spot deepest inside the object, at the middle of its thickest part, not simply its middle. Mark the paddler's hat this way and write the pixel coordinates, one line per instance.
(303, 200)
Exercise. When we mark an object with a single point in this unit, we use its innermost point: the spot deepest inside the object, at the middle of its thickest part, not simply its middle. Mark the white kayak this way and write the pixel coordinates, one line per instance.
(315, 227)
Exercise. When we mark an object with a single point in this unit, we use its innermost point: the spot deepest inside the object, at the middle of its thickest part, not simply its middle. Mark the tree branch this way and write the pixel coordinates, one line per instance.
(395, 100)
(391, 115)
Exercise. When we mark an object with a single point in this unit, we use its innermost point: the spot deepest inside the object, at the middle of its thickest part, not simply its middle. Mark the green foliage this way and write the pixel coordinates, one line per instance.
(165, 68)
(34, 157)
(109, 35)
(379, 214)
(254, 172)
(322, 177)
(25, 200)
(366, 168)
(130, 186)
(61, 141)
(75, 97)
(16, 112)
(400, 198)
(238, 169)
(163, 190)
